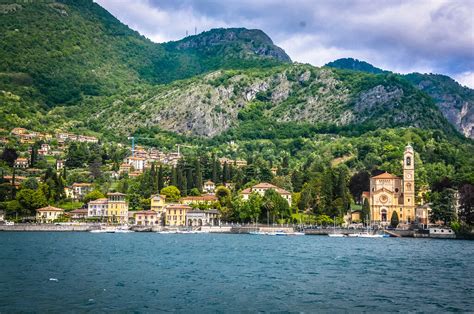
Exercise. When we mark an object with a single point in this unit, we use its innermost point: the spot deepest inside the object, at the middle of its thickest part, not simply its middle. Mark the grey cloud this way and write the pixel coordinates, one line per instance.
(424, 35)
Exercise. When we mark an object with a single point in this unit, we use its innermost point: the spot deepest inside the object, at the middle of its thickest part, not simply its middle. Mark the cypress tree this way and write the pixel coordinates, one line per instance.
(161, 180)
(189, 179)
(153, 178)
(174, 177)
(225, 173)
(215, 165)
(198, 176)
(394, 220)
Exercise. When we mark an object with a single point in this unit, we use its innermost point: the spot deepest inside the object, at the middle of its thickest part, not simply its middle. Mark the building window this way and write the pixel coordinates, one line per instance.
(408, 161)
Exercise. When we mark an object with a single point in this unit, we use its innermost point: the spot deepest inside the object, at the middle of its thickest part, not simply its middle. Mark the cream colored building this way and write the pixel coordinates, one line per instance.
(48, 214)
(389, 193)
(117, 208)
(261, 188)
(207, 199)
(146, 218)
(209, 186)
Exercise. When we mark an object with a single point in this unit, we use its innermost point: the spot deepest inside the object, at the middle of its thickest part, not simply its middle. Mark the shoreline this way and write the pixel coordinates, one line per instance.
(207, 229)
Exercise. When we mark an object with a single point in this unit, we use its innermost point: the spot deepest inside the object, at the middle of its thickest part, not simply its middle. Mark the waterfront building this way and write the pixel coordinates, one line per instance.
(423, 213)
(78, 214)
(21, 162)
(209, 186)
(176, 214)
(389, 193)
(97, 208)
(261, 188)
(203, 217)
(48, 214)
(146, 218)
(81, 189)
(207, 199)
(158, 204)
(117, 208)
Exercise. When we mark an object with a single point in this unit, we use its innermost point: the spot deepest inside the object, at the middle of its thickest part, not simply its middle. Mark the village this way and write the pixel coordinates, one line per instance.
(388, 197)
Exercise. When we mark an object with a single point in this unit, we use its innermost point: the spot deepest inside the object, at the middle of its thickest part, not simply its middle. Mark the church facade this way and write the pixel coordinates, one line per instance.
(389, 193)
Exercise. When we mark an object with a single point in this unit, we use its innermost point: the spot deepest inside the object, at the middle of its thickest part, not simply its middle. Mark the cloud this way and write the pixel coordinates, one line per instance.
(403, 36)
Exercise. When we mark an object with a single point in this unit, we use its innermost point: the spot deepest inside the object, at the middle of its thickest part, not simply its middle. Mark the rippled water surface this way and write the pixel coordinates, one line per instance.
(148, 272)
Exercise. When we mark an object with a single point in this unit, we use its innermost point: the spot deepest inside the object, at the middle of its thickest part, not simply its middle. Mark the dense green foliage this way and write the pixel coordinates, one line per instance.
(355, 65)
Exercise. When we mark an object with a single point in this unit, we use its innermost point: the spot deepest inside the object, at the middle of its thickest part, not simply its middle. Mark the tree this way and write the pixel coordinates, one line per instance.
(172, 193)
(442, 208)
(198, 175)
(161, 178)
(365, 213)
(30, 183)
(9, 155)
(31, 199)
(223, 194)
(359, 182)
(194, 192)
(94, 168)
(93, 195)
(275, 205)
(34, 154)
(77, 155)
(394, 221)
(466, 204)
(174, 177)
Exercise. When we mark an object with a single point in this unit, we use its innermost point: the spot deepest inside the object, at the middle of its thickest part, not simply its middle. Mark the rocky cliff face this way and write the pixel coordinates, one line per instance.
(209, 105)
(455, 101)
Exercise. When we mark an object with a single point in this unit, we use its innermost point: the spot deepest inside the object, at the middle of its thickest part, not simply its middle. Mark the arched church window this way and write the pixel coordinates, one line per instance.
(408, 161)
(408, 186)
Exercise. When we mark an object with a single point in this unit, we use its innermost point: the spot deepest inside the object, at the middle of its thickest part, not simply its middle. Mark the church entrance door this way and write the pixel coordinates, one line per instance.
(383, 215)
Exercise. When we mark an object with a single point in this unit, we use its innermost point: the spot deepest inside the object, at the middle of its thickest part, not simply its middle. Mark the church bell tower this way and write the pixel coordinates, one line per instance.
(409, 183)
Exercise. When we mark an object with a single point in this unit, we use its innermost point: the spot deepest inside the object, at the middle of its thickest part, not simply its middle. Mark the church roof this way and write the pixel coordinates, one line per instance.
(385, 175)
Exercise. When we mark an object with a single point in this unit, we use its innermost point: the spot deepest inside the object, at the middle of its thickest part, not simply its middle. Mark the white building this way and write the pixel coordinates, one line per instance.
(261, 188)
(97, 208)
(209, 186)
(138, 163)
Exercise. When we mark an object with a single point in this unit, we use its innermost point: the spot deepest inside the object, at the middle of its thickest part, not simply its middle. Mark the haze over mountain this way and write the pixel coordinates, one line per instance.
(75, 53)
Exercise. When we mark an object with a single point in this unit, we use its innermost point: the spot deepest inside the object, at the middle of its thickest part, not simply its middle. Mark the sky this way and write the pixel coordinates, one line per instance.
(427, 36)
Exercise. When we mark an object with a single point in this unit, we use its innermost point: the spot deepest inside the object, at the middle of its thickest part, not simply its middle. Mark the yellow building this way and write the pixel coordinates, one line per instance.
(176, 214)
(48, 214)
(117, 208)
(389, 193)
(158, 204)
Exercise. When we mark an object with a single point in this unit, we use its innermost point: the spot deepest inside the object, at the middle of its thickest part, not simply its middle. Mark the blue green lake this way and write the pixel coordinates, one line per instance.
(148, 272)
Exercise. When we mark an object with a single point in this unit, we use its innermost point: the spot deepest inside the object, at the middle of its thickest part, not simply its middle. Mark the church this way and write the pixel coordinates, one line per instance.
(389, 193)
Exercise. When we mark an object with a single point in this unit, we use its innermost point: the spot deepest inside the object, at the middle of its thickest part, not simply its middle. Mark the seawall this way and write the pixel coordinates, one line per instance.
(47, 228)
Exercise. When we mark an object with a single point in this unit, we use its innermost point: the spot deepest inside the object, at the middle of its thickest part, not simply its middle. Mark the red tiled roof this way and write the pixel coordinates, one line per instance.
(49, 208)
(200, 198)
(178, 206)
(145, 212)
(385, 175)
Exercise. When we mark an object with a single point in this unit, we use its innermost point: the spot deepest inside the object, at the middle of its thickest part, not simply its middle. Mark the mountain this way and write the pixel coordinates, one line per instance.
(60, 51)
(355, 65)
(455, 101)
(295, 94)
(72, 65)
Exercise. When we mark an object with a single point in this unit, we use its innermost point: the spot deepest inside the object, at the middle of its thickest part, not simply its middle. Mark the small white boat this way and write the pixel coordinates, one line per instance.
(296, 234)
(337, 235)
(122, 231)
(99, 231)
(167, 232)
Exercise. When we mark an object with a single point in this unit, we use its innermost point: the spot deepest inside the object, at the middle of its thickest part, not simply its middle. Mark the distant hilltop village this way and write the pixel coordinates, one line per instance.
(79, 178)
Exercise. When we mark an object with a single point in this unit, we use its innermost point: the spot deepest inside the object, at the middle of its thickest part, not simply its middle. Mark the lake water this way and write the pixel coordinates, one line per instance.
(147, 272)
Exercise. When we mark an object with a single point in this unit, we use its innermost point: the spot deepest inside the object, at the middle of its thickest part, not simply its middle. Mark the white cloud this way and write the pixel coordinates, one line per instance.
(465, 78)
